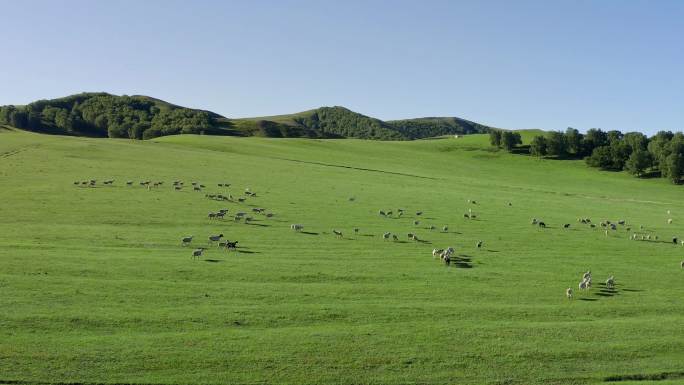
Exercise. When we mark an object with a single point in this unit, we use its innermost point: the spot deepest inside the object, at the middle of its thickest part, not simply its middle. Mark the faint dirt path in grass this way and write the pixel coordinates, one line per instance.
(356, 168)
(19, 150)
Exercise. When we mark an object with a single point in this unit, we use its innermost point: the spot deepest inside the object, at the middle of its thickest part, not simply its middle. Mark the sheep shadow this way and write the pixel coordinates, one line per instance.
(588, 299)
(258, 224)
(309, 233)
(213, 260)
(248, 252)
(462, 261)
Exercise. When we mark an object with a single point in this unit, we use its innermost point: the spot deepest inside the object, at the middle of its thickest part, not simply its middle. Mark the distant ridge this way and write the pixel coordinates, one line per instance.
(99, 114)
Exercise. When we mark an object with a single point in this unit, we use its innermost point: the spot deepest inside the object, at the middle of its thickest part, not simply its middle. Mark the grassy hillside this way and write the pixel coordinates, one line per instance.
(97, 288)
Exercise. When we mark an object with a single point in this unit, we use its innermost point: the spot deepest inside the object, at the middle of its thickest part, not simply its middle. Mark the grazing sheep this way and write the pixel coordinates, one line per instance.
(586, 275)
(382, 213)
(419, 213)
(542, 224)
(447, 260)
(395, 238)
(582, 285)
(231, 245)
(389, 213)
(186, 240)
(606, 231)
(337, 233)
(297, 227)
(196, 189)
(674, 240)
(510, 204)
(432, 227)
(212, 215)
(197, 253)
(610, 282)
(682, 264)
(416, 223)
(668, 212)
(669, 221)
(592, 226)
(248, 219)
(215, 238)
(568, 293)
(241, 199)
(410, 235)
(129, 183)
(436, 252)
(621, 222)
(567, 225)
(466, 215)
(534, 221)
(386, 236)
(356, 230)
(177, 188)
(479, 244)
(473, 216)
(445, 229)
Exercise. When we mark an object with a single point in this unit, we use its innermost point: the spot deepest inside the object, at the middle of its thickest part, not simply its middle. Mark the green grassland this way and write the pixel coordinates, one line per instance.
(96, 288)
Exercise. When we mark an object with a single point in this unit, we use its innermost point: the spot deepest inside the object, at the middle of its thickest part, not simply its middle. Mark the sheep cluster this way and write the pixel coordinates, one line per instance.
(444, 254)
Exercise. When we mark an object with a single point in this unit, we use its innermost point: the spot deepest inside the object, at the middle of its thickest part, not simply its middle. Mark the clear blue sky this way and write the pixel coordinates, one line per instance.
(613, 64)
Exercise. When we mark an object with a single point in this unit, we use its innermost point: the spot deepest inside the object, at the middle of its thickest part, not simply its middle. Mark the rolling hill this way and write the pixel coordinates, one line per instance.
(144, 117)
(97, 288)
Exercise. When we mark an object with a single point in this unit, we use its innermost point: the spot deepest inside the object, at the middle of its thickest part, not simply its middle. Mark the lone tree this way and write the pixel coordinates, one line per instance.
(495, 138)
(538, 146)
(510, 139)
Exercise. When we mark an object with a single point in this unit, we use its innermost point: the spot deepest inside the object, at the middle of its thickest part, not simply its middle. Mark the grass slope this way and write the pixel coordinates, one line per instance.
(96, 288)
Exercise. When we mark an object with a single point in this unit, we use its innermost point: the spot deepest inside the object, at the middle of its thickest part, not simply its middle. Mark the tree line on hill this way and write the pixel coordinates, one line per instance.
(104, 115)
(662, 154)
(142, 117)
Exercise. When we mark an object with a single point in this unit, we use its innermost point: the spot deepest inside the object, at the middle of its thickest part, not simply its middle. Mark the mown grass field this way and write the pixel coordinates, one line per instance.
(95, 287)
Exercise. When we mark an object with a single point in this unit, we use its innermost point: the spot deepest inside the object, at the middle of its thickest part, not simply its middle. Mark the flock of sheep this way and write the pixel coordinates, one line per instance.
(609, 226)
(445, 255)
(220, 214)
